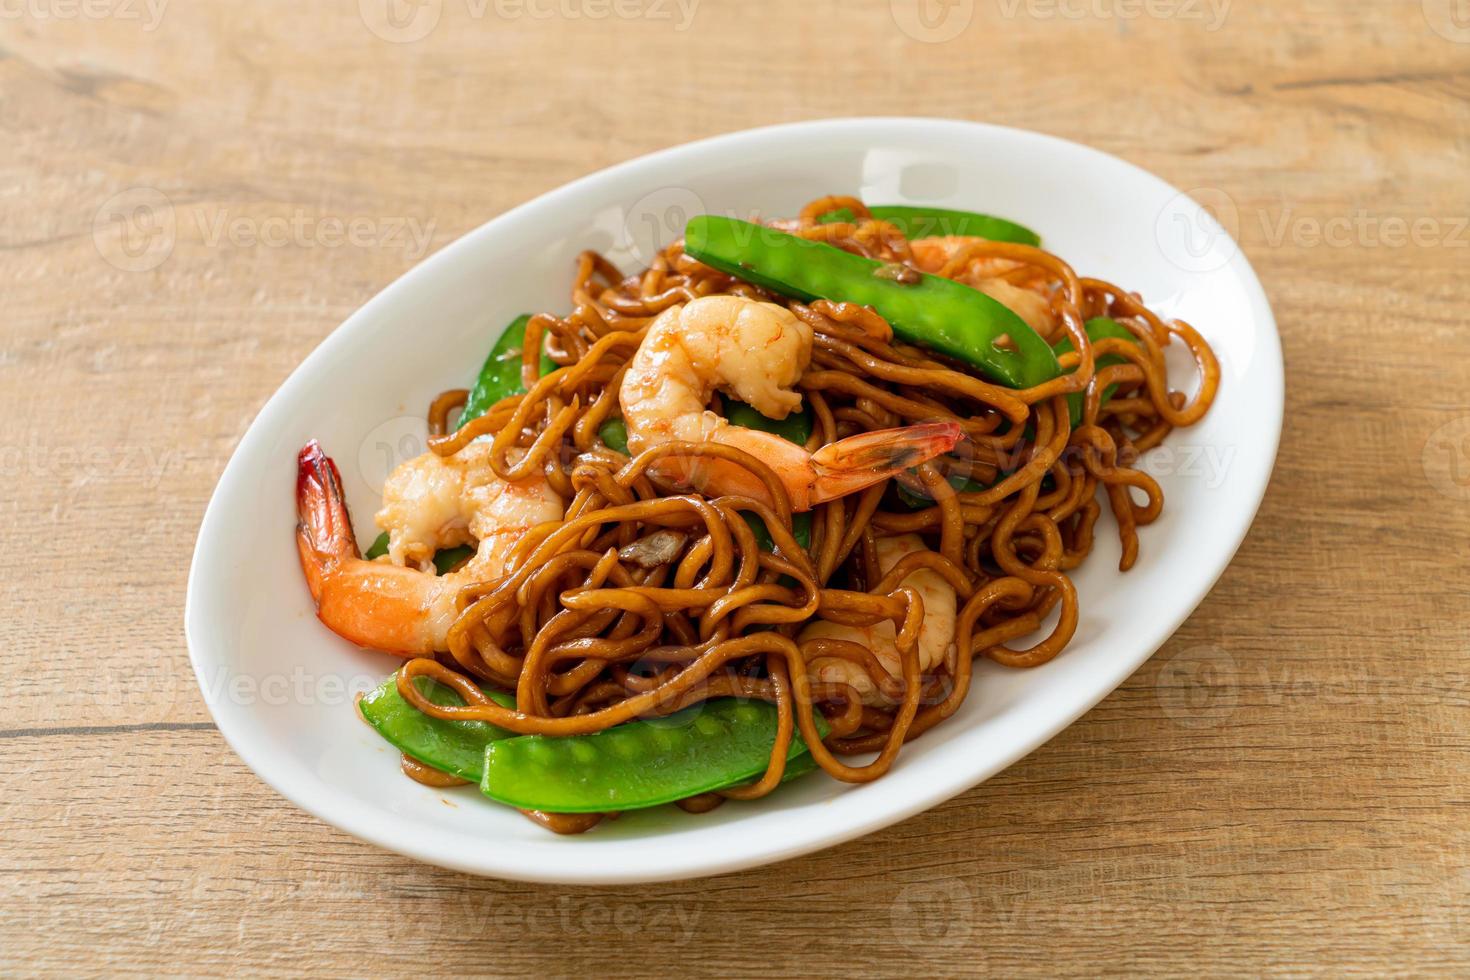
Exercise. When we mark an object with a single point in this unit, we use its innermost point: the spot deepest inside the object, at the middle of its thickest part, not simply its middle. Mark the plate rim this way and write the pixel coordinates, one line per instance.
(311, 799)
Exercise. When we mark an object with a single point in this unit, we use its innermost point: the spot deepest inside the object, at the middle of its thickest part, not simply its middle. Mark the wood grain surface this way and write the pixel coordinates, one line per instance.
(193, 194)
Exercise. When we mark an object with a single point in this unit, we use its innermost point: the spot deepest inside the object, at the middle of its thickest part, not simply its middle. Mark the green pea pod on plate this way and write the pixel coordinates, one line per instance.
(1098, 328)
(941, 314)
(927, 222)
(712, 746)
(456, 747)
(963, 484)
(446, 560)
(639, 764)
(796, 427)
(801, 530)
(614, 434)
(500, 375)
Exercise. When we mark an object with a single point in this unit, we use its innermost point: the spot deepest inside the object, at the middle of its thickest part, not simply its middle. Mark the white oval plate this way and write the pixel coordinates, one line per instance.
(280, 685)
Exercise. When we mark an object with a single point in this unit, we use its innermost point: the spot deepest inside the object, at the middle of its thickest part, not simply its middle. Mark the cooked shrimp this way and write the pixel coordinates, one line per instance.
(429, 502)
(984, 273)
(755, 351)
(433, 502)
(936, 635)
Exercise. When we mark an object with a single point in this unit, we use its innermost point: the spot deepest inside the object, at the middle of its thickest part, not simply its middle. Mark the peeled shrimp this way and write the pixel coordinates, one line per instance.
(429, 502)
(433, 502)
(755, 351)
(984, 273)
(936, 635)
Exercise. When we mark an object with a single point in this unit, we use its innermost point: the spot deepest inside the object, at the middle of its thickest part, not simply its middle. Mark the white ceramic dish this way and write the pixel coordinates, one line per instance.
(279, 684)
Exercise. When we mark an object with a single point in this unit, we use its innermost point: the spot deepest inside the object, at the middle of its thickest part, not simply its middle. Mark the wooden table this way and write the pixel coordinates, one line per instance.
(1282, 789)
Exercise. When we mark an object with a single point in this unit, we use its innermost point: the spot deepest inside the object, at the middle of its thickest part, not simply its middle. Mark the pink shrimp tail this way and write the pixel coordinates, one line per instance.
(373, 605)
(859, 461)
(323, 528)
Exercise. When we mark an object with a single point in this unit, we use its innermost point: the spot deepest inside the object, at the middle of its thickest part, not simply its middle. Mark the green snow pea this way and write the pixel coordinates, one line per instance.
(801, 530)
(923, 222)
(796, 427)
(614, 432)
(639, 764)
(445, 560)
(963, 484)
(500, 375)
(943, 315)
(1098, 328)
(456, 747)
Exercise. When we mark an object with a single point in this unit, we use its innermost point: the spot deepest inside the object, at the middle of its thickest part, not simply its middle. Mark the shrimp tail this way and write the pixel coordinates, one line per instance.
(859, 461)
(386, 607)
(324, 535)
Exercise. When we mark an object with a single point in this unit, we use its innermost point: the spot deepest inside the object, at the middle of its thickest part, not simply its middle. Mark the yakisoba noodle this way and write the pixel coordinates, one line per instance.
(587, 636)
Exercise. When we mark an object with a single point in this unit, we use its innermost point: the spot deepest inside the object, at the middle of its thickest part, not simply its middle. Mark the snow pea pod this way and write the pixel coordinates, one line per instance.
(456, 747)
(500, 375)
(445, 560)
(941, 314)
(963, 484)
(796, 427)
(801, 530)
(1098, 328)
(921, 222)
(614, 433)
(640, 764)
